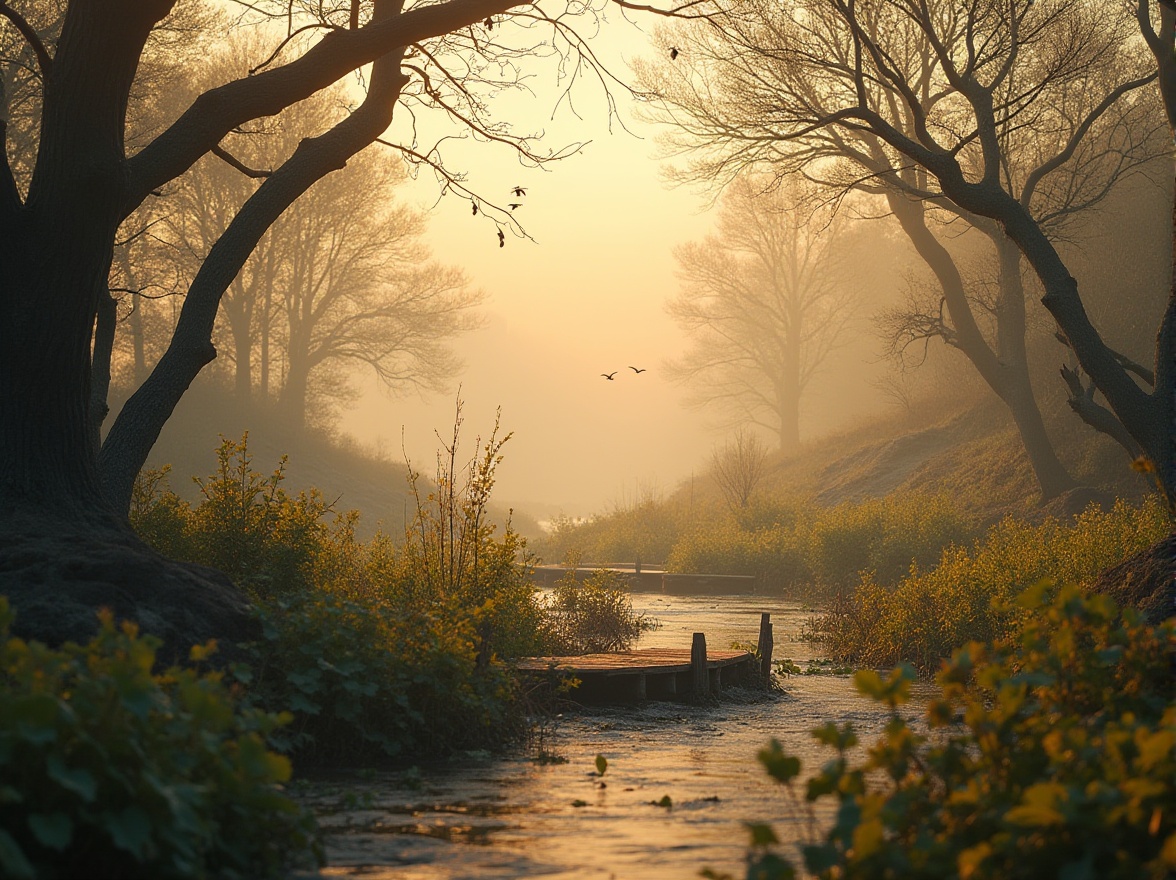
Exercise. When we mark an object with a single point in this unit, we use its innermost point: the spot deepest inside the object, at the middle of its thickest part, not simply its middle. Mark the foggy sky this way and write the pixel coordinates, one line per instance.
(586, 297)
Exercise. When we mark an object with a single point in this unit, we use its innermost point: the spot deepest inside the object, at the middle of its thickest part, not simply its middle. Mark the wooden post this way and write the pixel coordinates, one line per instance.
(766, 645)
(698, 670)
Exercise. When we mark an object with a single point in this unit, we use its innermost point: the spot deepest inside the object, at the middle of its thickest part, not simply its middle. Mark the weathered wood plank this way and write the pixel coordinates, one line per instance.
(648, 660)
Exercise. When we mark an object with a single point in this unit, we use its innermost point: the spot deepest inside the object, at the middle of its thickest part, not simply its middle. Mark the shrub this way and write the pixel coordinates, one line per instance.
(109, 770)
(797, 547)
(386, 649)
(968, 595)
(245, 525)
(369, 681)
(592, 616)
(1052, 754)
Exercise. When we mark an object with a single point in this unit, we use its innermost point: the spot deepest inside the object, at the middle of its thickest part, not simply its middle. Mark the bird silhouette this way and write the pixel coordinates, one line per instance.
(635, 370)
(514, 205)
(489, 22)
(609, 376)
(674, 53)
(501, 238)
(475, 206)
(518, 191)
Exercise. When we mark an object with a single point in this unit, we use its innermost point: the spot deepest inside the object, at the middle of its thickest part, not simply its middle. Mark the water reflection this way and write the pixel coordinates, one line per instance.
(515, 818)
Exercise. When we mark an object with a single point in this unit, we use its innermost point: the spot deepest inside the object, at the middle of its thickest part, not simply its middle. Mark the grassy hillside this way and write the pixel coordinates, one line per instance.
(960, 461)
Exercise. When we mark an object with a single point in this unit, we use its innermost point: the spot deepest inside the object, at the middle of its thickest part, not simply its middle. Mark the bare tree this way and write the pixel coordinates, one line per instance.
(997, 116)
(764, 302)
(340, 281)
(65, 194)
(737, 468)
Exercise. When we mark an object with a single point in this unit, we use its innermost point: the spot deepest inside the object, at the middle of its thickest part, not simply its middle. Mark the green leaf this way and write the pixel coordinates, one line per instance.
(781, 767)
(1079, 870)
(770, 866)
(14, 864)
(80, 781)
(52, 830)
(36, 717)
(869, 683)
(819, 858)
(762, 834)
(301, 704)
(130, 830)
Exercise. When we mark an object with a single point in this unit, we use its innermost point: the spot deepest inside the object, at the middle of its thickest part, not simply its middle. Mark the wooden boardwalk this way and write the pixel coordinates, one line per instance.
(650, 673)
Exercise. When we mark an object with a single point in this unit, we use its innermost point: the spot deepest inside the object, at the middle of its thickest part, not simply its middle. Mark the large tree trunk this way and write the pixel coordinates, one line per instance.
(1015, 387)
(292, 400)
(1006, 371)
(242, 363)
(64, 550)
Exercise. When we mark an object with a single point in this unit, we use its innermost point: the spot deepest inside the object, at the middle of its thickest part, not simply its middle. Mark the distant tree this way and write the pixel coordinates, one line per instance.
(737, 468)
(1006, 118)
(340, 280)
(764, 303)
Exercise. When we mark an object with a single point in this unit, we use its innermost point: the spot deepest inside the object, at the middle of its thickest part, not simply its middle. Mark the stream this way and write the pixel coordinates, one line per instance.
(511, 817)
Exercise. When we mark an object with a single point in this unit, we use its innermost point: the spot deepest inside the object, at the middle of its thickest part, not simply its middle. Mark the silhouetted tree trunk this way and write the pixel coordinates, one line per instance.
(66, 547)
(1006, 369)
(791, 383)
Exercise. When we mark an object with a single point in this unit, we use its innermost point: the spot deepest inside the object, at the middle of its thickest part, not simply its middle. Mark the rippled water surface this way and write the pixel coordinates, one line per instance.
(512, 817)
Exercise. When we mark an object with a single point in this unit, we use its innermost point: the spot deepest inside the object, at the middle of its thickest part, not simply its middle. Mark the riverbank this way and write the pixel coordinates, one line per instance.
(482, 817)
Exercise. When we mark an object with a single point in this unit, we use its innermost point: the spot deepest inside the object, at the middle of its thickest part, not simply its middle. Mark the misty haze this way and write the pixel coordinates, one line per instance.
(463, 439)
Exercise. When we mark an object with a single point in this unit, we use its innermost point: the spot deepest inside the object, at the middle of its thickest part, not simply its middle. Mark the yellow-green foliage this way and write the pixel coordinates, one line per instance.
(380, 649)
(646, 531)
(110, 770)
(1050, 754)
(383, 649)
(799, 546)
(967, 596)
(245, 525)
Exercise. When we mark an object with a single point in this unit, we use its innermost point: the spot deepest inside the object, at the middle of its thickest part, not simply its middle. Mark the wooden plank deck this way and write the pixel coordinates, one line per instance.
(648, 660)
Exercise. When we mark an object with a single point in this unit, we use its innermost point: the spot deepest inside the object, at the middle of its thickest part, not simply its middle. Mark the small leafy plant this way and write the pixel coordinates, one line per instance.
(1050, 754)
(108, 769)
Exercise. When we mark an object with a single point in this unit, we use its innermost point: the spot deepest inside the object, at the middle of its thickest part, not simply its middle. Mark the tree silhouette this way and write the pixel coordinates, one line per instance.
(764, 302)
(67, 190)
(1010, 119)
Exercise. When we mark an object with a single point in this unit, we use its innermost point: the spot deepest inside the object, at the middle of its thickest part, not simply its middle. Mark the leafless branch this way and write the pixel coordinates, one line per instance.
(229, 159)
(31, 37)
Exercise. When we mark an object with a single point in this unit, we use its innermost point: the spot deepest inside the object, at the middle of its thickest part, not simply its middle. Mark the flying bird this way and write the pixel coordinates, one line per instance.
(674, 53)
(514, 205)
(501, 239)
(609, 376)
(635, 370)
(518, 191)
